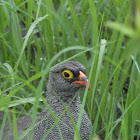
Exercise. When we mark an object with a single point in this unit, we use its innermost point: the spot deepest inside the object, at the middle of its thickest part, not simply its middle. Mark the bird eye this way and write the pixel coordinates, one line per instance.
(67, 74)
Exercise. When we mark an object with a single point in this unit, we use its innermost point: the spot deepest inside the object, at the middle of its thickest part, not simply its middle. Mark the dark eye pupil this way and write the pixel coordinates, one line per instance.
(66, 74)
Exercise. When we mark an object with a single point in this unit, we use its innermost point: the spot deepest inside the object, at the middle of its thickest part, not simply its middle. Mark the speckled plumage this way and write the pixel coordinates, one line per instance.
(66, 91)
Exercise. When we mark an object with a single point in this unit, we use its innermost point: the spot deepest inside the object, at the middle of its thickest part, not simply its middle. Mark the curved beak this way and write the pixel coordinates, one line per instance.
(82, 80)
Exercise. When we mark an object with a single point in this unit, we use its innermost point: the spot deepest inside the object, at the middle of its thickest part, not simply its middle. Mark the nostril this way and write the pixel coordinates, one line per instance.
(83, 79)
(82, 76)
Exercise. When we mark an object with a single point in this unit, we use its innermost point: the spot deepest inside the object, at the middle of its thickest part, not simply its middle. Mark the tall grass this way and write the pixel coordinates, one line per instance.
(103, 35)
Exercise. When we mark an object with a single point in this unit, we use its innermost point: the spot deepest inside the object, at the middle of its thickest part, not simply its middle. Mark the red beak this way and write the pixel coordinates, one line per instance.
(82, 80)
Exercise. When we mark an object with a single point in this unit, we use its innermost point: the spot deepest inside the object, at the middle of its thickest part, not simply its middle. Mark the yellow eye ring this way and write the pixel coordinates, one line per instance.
(67, 74)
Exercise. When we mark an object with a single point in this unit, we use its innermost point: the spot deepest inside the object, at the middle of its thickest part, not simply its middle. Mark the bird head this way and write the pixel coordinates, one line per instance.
(68, 78)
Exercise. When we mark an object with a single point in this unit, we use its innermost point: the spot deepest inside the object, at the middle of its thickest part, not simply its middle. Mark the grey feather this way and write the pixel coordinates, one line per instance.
(66, 91)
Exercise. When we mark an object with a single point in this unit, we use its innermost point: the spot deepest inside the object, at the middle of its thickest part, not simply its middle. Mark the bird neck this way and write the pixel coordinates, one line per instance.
(58, 101)
(61, 97)
(65, 96)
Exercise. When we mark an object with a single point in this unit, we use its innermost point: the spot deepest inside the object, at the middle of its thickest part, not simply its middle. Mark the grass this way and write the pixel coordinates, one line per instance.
(103, 35)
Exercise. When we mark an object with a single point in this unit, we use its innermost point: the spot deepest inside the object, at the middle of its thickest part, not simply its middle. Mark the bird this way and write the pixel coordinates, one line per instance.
(63, 88)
